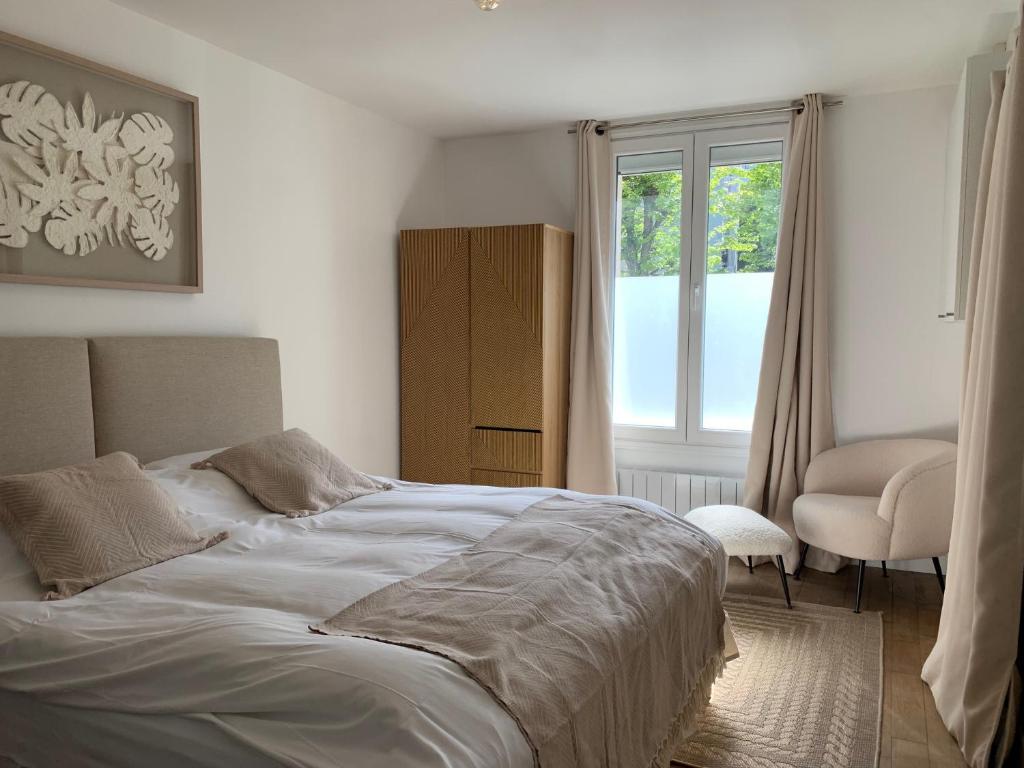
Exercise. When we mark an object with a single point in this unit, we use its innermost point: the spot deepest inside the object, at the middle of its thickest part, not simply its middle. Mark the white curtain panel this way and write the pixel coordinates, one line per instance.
(591, 459)
(793, 413)
(971, 670)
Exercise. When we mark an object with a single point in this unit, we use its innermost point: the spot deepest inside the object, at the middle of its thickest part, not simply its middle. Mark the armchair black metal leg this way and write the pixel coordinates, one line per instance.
(785, 584)
(885, 572)
(750, 563)
(800, 565)
(938, 573)
(860, 585)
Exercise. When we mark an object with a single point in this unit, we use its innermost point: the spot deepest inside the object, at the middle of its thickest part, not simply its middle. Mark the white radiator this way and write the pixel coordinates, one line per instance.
(679, 493)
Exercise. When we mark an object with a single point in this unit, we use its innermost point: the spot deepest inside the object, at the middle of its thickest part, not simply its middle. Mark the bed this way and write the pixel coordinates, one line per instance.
(207, 659)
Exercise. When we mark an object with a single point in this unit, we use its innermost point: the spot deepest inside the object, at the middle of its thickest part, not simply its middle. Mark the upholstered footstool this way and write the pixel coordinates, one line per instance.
(744, 533)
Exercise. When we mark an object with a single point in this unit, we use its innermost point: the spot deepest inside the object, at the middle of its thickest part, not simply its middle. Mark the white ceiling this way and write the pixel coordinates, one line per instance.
(451, 70)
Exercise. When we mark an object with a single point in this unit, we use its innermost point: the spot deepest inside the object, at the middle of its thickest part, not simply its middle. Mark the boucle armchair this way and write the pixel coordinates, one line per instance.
(879, 500)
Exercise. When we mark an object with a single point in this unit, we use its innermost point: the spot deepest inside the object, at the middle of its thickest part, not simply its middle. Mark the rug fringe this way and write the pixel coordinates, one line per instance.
(683, 725)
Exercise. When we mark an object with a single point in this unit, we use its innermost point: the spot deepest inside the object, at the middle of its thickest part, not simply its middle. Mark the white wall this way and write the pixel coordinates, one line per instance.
(516, 178)
(896, 367)
(303, 196)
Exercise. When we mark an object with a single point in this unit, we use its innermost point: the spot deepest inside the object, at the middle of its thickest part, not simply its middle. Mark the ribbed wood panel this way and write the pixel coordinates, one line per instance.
(432, 253)
(506, 450)
(435, 356)
(557, 328)
(506, 357)
(505, 479)
(516, 254)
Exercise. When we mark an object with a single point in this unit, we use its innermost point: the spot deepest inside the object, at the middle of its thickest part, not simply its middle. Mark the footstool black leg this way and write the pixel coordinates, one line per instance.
(750, 563)
(885, 572)
(938, 574)
(785, 584)
(800, 565)
(860, 585)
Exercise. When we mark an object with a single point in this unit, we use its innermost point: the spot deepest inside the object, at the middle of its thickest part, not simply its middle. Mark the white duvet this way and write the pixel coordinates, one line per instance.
(207, 660)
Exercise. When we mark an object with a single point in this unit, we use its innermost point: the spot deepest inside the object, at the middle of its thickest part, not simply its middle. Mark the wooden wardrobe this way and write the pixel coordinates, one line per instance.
(485, 319)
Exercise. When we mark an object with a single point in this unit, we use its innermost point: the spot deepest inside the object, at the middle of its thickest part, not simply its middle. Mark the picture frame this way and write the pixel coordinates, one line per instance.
(99, 175)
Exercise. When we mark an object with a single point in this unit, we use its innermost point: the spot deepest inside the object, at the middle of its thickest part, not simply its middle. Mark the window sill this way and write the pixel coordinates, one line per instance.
(720, 461)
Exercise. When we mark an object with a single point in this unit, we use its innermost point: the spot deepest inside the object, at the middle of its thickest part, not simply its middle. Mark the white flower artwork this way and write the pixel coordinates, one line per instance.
(157, 190)
(16, 219)
(82, 136)
(91, 179)
(30, 114)
(52, 184)
(151, 234)
(114, 184)
(148, 140)
(73, 229)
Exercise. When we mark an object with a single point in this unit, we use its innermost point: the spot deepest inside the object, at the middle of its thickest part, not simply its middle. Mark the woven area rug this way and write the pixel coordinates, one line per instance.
(806, 691)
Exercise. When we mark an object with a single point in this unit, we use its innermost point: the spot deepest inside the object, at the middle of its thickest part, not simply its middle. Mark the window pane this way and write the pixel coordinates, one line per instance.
(744, 195)
(647, 289)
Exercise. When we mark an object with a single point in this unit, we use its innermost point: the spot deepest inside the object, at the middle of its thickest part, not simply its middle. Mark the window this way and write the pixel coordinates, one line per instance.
(697, 221)
(647, 288)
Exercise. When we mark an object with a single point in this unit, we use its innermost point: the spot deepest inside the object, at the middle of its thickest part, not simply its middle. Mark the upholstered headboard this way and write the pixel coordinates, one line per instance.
(45, 404)
(68, 400)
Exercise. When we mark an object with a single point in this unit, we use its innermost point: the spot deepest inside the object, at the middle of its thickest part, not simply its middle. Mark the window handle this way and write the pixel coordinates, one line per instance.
(695, 298)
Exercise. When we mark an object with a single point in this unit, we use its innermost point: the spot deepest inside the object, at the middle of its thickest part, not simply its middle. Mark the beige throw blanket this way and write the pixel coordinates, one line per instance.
(597, 625)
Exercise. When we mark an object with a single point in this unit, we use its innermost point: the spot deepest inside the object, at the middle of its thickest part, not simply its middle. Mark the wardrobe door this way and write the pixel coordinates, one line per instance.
(506, 322)
(434, 277)
(557, 331)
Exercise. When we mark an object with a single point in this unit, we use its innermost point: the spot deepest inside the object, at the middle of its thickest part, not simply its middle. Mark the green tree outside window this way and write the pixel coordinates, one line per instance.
(650, 224)
(743, 221)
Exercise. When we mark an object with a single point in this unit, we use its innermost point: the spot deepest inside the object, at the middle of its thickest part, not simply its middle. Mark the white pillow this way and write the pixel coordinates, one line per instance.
(210, 500)
(184, 461)
(18, 579)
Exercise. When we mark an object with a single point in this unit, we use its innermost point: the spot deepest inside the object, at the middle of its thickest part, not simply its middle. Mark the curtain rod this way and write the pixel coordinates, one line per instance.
(602, 127)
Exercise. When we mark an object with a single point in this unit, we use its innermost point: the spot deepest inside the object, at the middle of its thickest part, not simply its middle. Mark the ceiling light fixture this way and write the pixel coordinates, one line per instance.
(488, 5)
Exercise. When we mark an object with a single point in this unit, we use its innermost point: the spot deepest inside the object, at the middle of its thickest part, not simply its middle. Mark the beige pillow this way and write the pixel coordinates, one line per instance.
(291, 473)
(85, 524)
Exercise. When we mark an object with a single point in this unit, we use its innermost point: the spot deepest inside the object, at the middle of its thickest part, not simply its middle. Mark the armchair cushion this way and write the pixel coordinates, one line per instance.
(918, 502)
(864, 469)
(846, 525)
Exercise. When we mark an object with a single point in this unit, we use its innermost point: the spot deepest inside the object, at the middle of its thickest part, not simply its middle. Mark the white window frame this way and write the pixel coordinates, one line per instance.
(688, 447)
(644, 146)
(703, 142)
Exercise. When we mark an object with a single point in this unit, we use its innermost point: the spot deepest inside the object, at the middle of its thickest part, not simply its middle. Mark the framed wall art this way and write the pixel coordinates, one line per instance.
(99, 175)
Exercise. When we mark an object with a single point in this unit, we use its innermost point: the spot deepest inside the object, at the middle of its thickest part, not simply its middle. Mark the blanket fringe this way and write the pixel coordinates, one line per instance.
(683, 725)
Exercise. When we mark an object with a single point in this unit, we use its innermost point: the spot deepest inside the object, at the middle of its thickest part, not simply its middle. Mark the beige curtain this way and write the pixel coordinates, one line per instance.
(971, 669)
(591, 460)
(793, 414)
